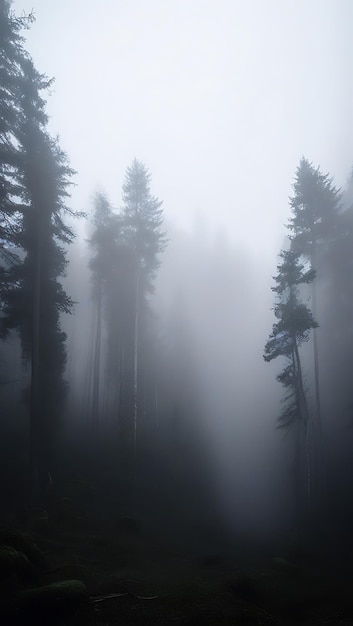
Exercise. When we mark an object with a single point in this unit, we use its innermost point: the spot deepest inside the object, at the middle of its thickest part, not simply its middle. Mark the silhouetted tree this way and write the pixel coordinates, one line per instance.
(12, 55)
(142, 218)
(292, 329)
(103, 243)
(34, 297)
(315, 208)
(336, 313)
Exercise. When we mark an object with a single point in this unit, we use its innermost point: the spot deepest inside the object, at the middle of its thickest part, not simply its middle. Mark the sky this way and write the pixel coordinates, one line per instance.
(219, 98)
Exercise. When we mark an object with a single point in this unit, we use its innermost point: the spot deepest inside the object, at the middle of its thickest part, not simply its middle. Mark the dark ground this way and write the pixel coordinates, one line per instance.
(165, 560)
(185, 575)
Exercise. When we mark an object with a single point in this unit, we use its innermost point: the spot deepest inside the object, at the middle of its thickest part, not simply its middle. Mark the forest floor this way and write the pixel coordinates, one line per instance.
(139, 576)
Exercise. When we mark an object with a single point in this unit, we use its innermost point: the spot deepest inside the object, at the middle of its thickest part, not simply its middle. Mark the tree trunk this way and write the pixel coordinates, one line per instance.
(36, 444)
(96, 365)
(136, 338)
(318, 415)
(321, 456)
(305, 416)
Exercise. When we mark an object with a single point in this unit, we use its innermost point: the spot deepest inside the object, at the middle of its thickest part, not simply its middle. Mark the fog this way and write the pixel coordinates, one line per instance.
(218, 291)
(163, 356)
(219, 99)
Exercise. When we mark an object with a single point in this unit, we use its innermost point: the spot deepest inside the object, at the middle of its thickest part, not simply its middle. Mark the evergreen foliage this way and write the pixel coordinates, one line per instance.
(288, 334)
(295, 321)
(142, 219)
(126, 246)
(35, 179)
(315, 225)
(315, 204)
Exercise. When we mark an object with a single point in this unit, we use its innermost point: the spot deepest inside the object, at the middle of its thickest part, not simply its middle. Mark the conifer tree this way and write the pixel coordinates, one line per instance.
(35, 187)
(12, 55)
(103, 244)
(295, 321)
(142, 219)
(314, 227)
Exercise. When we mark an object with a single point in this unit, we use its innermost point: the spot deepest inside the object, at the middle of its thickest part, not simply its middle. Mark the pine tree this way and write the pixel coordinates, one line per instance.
(12, 55)
(103, 243)
(36, 190)
(292, 329)
(314, 227)
(336, 314)
(142, 218)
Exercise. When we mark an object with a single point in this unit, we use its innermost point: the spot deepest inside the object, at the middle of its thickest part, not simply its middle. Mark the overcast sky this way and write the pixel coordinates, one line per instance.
(219, 98)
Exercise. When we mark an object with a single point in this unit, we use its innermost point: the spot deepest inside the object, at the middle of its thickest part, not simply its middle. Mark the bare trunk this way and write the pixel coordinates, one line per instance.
(297, 470)
(156, 404)
(136, 358)
(318, 415)
(302, 407)
(37, 469)
(321, 459)
(122, 393)
(305, 416)
(96, 366)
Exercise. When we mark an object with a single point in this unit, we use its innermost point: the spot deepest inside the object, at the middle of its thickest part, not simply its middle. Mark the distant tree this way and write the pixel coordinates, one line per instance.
(142, 219)
(314, 223)
(295, 321)
(103, 245)
(336, 314)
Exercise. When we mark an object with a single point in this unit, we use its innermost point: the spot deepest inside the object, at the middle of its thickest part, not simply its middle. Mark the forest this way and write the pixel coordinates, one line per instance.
(175, 435)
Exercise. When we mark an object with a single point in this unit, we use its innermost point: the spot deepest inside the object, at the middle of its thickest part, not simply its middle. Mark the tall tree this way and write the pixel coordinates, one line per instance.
(315, 208)
(295, 321)
(142, 218)
(103, 244)
(12, 55)
(337, 313)
(34, 297)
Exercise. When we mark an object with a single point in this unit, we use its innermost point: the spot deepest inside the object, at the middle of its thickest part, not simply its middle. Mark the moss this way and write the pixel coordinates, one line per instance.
(23, 543)
(16, 564)
(54, 599)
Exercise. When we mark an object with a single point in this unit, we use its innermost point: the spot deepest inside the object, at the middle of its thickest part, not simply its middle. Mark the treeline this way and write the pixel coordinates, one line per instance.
(313, 288)
(147, 393)
(125, 247)
(123, 395)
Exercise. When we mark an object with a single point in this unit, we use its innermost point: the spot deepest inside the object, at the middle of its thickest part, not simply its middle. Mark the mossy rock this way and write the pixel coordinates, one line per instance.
(24, 544)
(16, 564)
(53, 600)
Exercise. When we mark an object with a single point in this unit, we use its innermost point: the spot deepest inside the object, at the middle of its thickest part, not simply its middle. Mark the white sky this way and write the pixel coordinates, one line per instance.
(220, 99)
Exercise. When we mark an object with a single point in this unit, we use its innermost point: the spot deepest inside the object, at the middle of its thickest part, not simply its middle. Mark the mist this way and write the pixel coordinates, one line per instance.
(176, 301)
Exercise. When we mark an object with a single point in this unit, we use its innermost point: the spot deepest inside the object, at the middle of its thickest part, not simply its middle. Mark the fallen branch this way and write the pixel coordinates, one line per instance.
(111, 596)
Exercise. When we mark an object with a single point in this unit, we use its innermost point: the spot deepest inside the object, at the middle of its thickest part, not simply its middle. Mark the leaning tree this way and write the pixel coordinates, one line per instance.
(293, 327)
(314, 226)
